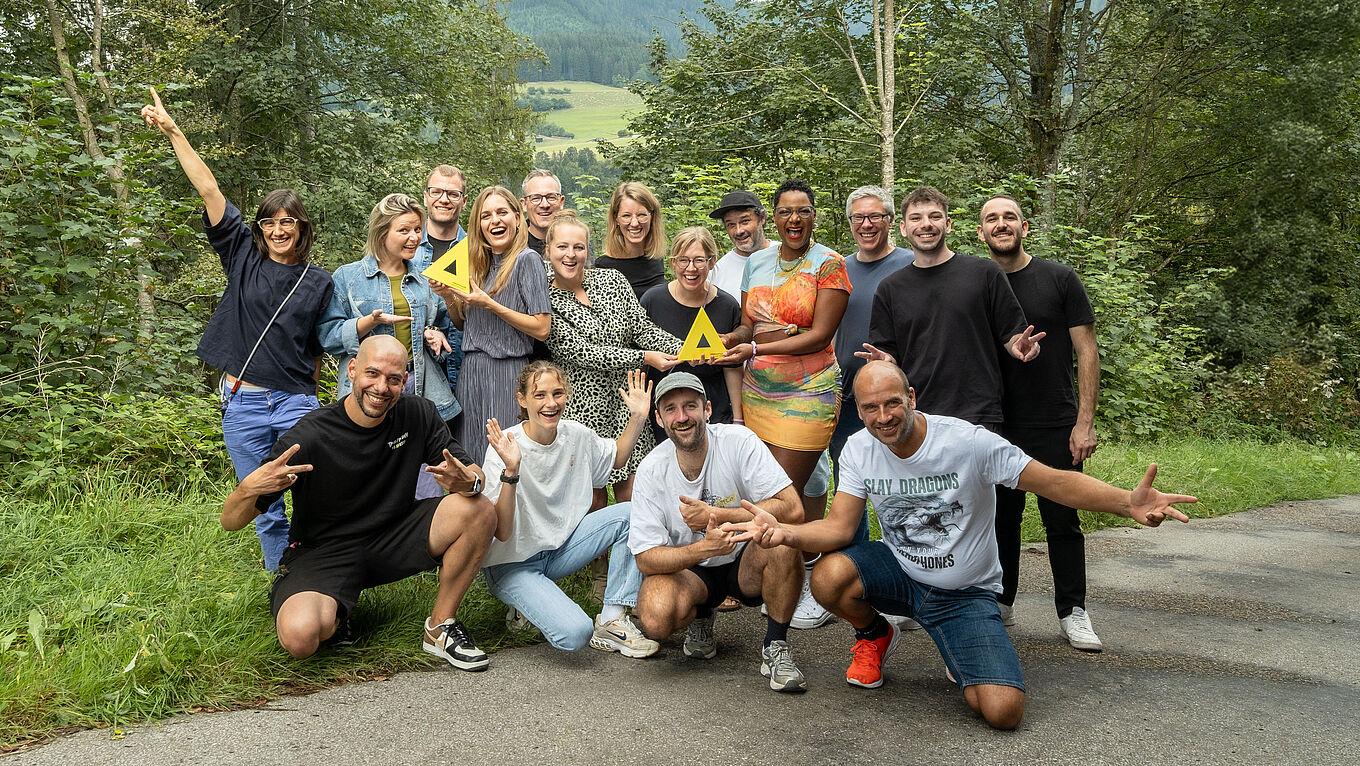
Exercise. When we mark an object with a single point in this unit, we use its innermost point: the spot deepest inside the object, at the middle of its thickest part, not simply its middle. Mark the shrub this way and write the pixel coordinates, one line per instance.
(1282, 398)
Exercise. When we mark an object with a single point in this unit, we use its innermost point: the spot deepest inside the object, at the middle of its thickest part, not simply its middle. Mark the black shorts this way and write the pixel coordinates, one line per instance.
(722, 582)
(341, 569)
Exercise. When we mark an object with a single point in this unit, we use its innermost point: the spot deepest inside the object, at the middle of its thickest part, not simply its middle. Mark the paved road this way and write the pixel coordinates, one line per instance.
(1229, 641)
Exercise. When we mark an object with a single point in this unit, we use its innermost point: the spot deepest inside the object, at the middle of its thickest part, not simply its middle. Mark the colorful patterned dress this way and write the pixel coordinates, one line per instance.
(791, 400)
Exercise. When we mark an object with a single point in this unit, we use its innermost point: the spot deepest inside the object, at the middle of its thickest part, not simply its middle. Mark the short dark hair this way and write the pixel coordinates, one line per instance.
(289, 200)
(1018, 206)
(792, 185)
(926, 194)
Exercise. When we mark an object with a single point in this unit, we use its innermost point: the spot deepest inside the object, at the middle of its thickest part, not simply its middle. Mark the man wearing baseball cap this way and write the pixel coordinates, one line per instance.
(744, 218)
(688, 490)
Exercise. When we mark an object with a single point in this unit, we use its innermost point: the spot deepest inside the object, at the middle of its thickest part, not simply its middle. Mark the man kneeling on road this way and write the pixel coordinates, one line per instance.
(931, 481)
(352, 469)
(702, 478)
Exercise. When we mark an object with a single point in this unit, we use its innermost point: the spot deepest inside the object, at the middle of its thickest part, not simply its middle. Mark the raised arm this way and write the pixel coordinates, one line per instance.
(271, 478)
(638, 398)
(194, 167)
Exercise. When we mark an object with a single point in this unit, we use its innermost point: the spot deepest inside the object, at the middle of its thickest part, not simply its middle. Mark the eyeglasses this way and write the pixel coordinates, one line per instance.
(539, 199)
(785, 213)
(435, 192)
(627, 218)
(859, 218)
(688, 263)
(269, 224)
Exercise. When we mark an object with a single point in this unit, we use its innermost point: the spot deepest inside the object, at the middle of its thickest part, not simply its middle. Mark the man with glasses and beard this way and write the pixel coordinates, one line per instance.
(352, 468)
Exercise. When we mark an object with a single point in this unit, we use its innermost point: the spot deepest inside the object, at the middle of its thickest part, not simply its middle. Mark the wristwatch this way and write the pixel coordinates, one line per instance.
(475, 490)
(509, 479)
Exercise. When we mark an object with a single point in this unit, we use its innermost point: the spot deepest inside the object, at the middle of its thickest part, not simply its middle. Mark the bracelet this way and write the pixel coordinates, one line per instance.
(753, 347)
(509, 479)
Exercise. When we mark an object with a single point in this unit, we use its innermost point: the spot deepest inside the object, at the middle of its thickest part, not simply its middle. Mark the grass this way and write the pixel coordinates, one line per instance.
(597, 112)
(123, 602)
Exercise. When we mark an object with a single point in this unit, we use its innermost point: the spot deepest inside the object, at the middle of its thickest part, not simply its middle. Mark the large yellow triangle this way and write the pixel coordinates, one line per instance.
(452, 267)
(703, 340)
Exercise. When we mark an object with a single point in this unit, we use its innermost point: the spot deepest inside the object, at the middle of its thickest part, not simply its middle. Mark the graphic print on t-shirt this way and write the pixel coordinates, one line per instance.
(921, 525)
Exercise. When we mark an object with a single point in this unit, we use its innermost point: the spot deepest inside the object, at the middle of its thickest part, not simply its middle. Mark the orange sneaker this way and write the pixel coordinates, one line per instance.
(866, 665)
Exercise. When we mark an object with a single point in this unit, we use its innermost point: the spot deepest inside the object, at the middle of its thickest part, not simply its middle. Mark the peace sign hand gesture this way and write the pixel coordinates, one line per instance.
(452, 475)
(275, 475)
(1025, 345)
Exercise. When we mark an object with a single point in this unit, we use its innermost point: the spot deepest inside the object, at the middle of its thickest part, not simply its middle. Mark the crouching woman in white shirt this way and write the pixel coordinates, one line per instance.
(541, 474)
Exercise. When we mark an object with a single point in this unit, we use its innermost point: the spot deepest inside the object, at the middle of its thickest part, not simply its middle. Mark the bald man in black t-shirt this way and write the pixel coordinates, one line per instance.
(352, 468)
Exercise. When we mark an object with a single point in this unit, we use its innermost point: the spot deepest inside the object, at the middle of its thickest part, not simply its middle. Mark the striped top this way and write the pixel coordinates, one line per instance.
(526, 292)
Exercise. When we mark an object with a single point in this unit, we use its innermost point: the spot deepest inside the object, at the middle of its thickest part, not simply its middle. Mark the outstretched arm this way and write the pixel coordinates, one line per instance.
(829, 534)
(194, 167)
(1145, 504)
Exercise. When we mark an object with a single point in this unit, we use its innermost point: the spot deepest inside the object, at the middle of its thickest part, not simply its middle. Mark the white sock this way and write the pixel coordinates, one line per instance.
(610, 612)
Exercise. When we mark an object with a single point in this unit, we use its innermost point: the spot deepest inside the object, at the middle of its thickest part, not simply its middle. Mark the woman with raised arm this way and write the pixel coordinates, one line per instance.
(794, 294)
(263, 334)
(600, 333)
(635, 237)
(505, 309)
(541, 474)
(381, 294)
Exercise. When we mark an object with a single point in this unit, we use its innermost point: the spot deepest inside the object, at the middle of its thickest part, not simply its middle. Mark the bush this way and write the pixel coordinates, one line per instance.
(1283, 398)
(554, 130)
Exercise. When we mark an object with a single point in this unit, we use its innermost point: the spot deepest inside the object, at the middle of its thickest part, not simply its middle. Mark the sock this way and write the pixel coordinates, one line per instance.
(809, 563)
(610, 612)
(875, 630)
(775, 631)
(701, 613)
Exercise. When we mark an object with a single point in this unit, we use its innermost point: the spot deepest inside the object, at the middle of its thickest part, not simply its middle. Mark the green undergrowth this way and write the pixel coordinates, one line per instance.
(122, 602)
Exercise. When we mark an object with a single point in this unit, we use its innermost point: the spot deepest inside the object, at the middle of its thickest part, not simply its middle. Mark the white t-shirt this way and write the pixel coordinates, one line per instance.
(555, 487)
(738, 467)
(727, 273)
(937, 508)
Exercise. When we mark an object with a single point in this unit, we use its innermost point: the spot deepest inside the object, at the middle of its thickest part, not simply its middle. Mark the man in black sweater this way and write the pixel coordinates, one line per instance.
(352, 468)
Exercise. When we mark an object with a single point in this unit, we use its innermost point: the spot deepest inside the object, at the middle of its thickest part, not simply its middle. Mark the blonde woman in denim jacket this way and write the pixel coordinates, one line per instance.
(381, 294)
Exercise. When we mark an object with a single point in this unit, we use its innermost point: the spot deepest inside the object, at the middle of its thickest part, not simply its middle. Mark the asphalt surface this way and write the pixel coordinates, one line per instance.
(1228, 641)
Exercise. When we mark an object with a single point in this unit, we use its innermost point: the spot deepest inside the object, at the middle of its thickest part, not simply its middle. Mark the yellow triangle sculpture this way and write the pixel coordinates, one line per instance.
(703, 340)
(452, 267)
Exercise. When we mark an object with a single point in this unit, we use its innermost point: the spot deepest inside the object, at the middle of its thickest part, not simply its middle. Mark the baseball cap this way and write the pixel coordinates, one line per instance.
(739, 199)
(677, 380)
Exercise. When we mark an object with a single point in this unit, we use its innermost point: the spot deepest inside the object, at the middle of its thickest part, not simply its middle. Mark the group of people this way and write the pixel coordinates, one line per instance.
(541, 419)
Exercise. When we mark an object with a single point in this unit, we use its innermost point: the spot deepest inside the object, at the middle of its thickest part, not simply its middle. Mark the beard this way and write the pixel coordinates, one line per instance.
(371, 410)
(1009, 252)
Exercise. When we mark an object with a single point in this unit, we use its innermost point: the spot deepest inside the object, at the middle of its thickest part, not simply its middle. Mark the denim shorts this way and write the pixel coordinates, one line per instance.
(964, 624)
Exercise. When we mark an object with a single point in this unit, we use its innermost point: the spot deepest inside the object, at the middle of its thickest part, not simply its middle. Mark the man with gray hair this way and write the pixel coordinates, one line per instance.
(542, 199)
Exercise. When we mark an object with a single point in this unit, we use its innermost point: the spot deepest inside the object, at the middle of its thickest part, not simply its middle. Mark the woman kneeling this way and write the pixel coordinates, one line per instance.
(541, 474)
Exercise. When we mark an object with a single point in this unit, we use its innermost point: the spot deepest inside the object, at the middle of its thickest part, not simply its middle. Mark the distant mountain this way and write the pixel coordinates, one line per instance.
(602, 41)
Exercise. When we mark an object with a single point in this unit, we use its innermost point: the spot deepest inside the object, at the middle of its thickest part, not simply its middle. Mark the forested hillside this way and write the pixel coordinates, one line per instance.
(602, 41)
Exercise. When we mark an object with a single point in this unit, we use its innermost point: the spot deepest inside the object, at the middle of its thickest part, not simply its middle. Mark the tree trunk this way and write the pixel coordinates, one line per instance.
(113, 170)
(886, 37)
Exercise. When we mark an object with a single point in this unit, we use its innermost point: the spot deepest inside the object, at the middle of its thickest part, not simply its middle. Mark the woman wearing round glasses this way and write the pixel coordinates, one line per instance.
(635, 237)
(262, 335)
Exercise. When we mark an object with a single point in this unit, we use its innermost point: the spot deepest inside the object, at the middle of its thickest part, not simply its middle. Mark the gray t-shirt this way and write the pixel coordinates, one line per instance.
(937, 508)
(555, 488)
(738, 467)
(853, 332)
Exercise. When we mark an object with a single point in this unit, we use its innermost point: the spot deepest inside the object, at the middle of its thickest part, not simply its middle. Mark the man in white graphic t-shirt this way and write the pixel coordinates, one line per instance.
(930, 479)
(688, 489)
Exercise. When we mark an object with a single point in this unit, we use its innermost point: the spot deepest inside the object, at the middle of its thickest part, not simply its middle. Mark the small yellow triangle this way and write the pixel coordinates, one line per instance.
(452, 267)
(703, 340)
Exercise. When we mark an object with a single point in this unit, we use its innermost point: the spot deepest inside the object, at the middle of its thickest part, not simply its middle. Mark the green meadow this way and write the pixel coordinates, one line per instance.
(597, 112)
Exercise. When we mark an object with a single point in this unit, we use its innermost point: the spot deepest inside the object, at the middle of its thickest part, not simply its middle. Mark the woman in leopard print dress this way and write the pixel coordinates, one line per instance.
(599, 333)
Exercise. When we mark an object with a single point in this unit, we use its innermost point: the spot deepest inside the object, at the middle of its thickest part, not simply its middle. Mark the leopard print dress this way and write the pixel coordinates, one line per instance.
(596, 346)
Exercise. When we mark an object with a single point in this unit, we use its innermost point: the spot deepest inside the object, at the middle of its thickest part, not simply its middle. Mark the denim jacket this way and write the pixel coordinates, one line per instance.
(361, 287)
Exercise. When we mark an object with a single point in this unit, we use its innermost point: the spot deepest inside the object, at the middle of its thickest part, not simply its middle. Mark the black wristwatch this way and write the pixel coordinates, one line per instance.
(509, 479)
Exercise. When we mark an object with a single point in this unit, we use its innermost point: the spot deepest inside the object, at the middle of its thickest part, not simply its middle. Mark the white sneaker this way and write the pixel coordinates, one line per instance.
(1007, 614)
(902, 623)
(1077, 628)
(516, 621)
(622, 635)
(809, 613)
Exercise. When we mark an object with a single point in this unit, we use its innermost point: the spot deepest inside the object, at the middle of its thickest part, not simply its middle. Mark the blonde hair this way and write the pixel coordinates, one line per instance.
(654, 246)
(388, 209)
(479, 252)
(696, 235)
(561, 219)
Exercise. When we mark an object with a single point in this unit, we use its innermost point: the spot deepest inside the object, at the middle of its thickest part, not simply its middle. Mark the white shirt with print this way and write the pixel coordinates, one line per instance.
(937, 508)
(738, 467)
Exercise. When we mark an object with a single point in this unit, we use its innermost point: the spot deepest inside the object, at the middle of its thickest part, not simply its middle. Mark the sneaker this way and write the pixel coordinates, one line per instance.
(1077, 628)
(622, 635)
(866, 663)
(1007, 614)
(343, 635)
(809, 613)
(450, 641)
(515, 621)
(904, 623)
(776, 664)
(699, 642)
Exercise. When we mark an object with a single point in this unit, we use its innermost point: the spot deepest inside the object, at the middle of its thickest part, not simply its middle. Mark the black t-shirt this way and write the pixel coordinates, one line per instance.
(256, 287)
(362, 479)
(642, 273)
(677, 319)
(945, 325)
(1039, 393)
(536, 244)
(439, 246)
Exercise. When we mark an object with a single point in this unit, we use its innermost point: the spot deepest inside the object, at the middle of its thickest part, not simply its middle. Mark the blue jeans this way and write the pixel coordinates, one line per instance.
(251, 423)
(965, 624)
(530, 585)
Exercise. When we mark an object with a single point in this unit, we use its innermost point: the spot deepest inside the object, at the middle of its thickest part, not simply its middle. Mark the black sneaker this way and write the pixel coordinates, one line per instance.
(343, 635)
(450, 640)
